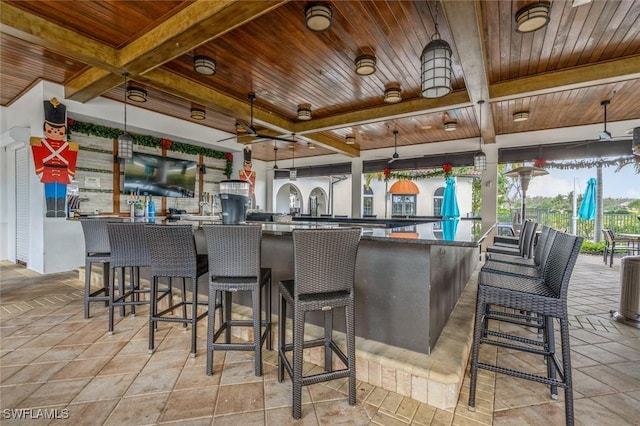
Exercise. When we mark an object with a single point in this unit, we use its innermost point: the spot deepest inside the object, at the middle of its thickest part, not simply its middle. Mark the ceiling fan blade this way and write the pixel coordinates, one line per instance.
(276, 138)
(226, 139)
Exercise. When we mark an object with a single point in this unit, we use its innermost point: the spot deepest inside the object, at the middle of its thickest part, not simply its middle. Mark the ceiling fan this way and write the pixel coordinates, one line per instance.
(605, 135)
(250, 128)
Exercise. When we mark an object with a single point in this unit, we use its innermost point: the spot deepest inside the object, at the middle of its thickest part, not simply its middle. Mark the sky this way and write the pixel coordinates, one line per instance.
(623, 184)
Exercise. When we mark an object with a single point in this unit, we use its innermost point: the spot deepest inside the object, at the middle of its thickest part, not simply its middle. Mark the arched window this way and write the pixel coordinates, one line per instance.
(438, 195)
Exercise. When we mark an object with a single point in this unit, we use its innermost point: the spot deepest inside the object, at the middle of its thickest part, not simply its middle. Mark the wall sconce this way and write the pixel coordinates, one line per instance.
(136, 94)
(533, 16)
(365, 64)
(203, 169)
(521, 116)
(198, 113)
(304, 112)
(435, 62)
(392, 93)
(204, 65)
(350, 139)
(317, 17)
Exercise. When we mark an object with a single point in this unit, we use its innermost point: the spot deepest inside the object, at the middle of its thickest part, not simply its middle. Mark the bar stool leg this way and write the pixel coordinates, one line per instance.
(298, 346)
(351, 350)
(566, 367)
(328, 334)
(282, 321)
(475, 351)
(227, 316)
(550, 346)
(194, 316)
(184, 306)
(268, 309)
(211, 326)
(153, 309)
(256, 295)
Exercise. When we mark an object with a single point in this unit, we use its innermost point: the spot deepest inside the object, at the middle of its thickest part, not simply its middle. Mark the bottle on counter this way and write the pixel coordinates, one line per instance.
(151, 208)
(146, 206)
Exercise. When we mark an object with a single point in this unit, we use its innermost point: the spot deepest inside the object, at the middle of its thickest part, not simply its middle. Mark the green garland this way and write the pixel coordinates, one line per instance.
(619, 163)
(414, 174)
(150, 141)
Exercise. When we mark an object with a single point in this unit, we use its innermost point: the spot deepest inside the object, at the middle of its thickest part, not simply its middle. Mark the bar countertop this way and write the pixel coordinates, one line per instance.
(465, 232)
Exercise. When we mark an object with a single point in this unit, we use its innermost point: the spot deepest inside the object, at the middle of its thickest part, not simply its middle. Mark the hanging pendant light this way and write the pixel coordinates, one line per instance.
(436, 70)
(480, 158)
(293, 173)
(125, 141)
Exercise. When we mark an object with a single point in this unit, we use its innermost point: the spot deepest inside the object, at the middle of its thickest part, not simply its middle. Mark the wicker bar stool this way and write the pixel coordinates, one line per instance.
(544, 297)
(324, 270)
(525, 246)
(97, 250)
(172, 251)
(128, 250)
(234, 266)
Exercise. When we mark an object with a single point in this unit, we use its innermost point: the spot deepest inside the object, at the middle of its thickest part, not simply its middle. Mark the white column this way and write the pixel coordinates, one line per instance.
(489, 211)
(269, 197)
(356, 187)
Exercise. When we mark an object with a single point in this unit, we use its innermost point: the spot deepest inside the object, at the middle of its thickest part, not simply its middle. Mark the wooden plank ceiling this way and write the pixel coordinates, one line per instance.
(559, 74)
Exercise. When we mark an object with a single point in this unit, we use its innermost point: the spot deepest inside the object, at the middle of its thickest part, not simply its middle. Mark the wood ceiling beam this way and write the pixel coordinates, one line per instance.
(333, 144)
(575, 78)
(465, 22)
(39, 31)
(196, 24)
(403, 109)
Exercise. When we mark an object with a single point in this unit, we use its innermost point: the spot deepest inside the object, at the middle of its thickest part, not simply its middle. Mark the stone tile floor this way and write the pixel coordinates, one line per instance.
(55, 363)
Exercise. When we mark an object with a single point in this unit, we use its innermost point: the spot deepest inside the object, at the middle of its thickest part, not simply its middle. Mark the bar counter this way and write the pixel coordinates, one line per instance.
(408, 278)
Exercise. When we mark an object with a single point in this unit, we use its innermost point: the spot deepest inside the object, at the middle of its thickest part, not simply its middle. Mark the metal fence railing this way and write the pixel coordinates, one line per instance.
(626, 223)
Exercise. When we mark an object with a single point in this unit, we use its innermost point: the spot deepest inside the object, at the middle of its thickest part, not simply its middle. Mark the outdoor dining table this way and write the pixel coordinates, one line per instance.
(634, 238)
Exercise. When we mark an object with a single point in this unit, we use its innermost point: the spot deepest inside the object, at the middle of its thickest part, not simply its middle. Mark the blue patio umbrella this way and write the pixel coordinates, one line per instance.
(587, 209)
(449, 228)
(449, 207)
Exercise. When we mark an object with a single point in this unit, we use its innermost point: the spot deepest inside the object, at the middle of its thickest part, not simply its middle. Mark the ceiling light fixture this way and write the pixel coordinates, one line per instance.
(480, 158)
(136, 94)
(311, 146)
(304, 112)
(125, 141)
(293, 173)
(436, 70)
(204, 65)
(317, 17)
(450, 124)
(521, 116)
(532, 16)
(365, 64)
(350, 139)
(198, 113)
(392, 93)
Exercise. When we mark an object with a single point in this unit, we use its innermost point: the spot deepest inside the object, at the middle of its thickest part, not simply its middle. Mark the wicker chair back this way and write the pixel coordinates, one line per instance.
(233, 250)
(324, 260)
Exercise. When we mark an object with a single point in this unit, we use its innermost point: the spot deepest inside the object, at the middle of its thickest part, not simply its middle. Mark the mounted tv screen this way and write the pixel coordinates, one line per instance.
(147, 174)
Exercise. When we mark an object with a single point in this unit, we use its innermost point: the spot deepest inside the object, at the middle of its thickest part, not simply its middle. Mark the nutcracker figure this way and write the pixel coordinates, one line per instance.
(55, 158)
(246, 173)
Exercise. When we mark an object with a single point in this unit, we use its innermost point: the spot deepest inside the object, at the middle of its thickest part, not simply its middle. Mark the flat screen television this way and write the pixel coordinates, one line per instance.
(147, 174)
